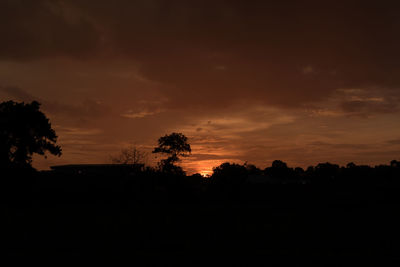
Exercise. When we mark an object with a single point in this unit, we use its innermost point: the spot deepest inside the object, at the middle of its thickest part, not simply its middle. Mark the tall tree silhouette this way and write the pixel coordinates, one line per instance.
(24, 130)
(174, 145)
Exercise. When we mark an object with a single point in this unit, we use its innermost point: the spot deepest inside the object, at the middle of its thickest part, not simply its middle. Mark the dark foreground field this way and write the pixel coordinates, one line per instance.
(148, 221)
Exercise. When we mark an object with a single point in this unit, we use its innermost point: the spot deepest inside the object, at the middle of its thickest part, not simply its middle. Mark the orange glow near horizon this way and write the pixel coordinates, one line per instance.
(204, 167)
(206, 173)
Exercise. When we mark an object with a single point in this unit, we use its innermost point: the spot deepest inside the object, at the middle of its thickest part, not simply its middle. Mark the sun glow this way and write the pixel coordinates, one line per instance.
(206, 173)
(203, 167)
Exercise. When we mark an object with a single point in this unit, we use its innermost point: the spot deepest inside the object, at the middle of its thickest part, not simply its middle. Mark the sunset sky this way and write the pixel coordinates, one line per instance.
(300, 81)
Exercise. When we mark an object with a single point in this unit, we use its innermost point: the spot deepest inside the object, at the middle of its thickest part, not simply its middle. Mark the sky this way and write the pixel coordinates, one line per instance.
(246, 81)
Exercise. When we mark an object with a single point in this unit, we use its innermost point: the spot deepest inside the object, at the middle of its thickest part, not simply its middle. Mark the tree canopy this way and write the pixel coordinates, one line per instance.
(24, 130)
(229, 174)
(175, 145)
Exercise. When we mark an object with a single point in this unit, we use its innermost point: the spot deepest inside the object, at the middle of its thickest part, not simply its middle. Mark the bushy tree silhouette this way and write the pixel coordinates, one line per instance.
(280, 170)
(279, 164)
(229, 174)
(174, 145)
(24, 130)
(252, 169)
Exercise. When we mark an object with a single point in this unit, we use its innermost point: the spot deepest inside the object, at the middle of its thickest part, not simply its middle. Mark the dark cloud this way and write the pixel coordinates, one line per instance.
(215, 53)
(226, 51)
(35, 29)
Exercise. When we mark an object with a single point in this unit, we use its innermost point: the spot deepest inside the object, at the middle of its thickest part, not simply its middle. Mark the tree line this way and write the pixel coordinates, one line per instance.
(25, 130)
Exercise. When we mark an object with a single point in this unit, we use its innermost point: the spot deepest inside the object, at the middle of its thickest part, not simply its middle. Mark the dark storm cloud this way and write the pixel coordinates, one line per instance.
(219, 53)
(279, 53)
(42, 28)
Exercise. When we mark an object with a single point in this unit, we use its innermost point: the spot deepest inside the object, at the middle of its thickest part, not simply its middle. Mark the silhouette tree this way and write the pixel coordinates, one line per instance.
(279, 164)
(280, 170)
(327, 172)
(351, 165)
(130, 155)
(229, 174)
(174, 145)
(24, 130)
(252, 169)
